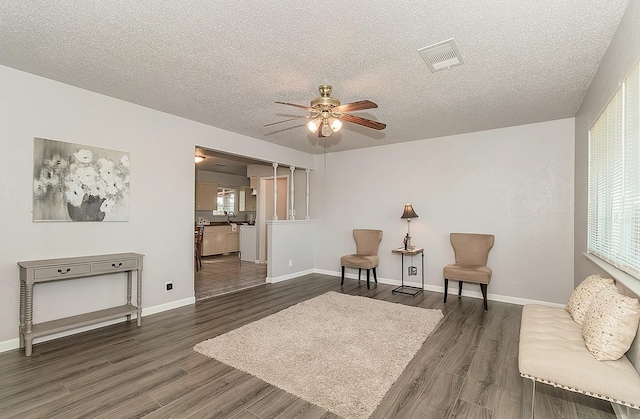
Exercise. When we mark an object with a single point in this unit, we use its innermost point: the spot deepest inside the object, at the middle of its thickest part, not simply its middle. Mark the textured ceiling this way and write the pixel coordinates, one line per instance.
(224, 63)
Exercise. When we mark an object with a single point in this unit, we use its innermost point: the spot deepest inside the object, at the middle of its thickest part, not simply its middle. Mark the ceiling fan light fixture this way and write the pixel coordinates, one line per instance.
(326, 129)
(335, 124)
(313, 125)
(199, 158)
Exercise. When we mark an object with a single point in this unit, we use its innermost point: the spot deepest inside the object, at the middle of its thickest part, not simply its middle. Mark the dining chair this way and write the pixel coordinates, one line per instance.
(197, 247)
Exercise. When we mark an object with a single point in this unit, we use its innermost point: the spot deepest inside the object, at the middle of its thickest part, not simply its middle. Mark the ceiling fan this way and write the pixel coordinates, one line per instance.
(327, 114)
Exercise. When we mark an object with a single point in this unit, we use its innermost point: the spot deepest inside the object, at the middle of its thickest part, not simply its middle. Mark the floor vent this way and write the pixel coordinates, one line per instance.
(442, 55)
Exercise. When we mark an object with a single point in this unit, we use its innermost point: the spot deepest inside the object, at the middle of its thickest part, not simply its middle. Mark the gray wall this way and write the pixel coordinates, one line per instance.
(622, 55)
(515, 183)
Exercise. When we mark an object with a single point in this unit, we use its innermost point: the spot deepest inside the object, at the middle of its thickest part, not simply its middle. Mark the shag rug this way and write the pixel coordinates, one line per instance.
(337, 351)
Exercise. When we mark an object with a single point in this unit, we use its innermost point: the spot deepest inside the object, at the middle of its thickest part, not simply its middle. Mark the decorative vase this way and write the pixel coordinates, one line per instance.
(89, 210)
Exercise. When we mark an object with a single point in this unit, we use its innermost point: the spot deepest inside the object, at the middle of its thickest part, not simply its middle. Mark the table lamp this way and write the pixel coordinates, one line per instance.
(408, 213)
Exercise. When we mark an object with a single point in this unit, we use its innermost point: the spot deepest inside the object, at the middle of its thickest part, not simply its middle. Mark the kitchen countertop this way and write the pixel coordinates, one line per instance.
(224, 223)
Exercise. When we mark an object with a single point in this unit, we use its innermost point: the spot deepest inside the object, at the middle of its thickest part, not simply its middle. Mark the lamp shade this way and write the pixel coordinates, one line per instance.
(409, 212)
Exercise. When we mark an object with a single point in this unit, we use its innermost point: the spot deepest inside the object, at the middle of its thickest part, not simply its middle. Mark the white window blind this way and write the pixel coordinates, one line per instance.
(614, 180)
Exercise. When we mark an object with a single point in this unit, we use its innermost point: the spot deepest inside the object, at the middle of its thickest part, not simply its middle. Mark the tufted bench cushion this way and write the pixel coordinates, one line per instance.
(552, 351)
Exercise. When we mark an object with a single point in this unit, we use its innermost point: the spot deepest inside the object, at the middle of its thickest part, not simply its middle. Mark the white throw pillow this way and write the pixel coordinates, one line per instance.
(611, 324)
(581, 297)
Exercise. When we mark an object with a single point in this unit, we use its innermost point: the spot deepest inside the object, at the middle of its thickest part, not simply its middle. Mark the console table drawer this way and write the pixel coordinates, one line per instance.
(116, 265)
(61, 271)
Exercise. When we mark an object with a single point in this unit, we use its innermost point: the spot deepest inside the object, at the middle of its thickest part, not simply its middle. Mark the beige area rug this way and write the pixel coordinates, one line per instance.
(337, 351)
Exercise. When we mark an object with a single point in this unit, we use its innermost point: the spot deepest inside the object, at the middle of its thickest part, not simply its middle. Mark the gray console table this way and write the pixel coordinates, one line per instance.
(38, 271)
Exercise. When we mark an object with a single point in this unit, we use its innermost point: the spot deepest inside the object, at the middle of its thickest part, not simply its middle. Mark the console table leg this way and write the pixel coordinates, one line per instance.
(22, 312)
(423, 270)
(28, 320)
(139, 295)
(128, 292)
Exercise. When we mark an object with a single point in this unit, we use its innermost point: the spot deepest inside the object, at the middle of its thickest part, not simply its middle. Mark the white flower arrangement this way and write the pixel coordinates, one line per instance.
(80, 178)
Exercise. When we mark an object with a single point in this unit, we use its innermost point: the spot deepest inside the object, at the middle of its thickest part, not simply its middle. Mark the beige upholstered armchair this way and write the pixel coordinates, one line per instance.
(366, 256)
(472, 253)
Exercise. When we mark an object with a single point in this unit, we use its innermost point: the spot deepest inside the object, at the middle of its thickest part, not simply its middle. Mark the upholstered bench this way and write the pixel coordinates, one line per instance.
(553, 351)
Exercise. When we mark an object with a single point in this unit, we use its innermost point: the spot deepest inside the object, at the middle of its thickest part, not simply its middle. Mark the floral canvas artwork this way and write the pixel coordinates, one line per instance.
(73, 182)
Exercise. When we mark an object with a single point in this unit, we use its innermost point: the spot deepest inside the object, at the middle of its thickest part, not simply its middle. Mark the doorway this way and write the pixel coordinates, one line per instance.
(224, 177)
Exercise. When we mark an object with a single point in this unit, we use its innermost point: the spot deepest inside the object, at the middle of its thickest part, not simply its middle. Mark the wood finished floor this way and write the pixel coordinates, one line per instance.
(222, 274)
(467, 368)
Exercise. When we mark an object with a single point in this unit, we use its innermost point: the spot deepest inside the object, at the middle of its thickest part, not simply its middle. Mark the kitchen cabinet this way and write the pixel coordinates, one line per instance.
(206, 196)
(220, 239)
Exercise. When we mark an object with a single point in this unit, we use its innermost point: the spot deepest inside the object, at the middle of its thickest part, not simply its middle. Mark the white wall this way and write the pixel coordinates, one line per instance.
(292, 249)
(516, 183)
(622, 55)
(161, 148)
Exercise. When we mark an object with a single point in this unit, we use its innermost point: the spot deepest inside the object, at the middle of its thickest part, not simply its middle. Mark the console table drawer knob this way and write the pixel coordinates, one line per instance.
(117, 266)
(66, 271)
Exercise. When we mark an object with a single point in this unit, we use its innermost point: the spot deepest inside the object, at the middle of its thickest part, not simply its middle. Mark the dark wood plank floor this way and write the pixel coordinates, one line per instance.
(467, 368)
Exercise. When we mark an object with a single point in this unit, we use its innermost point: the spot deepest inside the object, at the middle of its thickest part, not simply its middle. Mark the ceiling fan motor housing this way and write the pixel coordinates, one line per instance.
(325, 102)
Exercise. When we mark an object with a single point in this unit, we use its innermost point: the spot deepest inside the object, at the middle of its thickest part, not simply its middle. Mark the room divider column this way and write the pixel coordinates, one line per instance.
(292, 214)
(307, 171)
(275, 191)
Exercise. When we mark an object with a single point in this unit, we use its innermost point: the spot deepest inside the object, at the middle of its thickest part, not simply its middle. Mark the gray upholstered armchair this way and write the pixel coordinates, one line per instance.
(472, 253)
(366, 256)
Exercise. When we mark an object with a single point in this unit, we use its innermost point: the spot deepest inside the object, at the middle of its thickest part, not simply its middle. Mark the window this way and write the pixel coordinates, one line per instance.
(614, 180)
(226, 201)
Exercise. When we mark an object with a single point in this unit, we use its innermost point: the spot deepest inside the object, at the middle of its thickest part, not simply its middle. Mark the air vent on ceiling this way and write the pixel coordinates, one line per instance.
(442, 55)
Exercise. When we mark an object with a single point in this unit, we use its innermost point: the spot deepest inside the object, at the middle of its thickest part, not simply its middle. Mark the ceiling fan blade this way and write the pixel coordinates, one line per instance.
(287, 120)
(355, 106)
(297, 106)
(363, 121)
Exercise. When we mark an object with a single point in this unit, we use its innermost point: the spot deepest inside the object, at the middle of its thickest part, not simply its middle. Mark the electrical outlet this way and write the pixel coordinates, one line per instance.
(290, 262)
(412, 270)
(168, 286)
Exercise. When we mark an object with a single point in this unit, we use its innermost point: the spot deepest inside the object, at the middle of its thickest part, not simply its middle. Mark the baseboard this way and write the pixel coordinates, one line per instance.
(452, 291)
(11, 344)
(168, 306)
(273, 280)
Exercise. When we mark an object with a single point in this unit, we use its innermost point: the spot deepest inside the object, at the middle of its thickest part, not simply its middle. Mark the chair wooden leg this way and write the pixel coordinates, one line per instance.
(375, 277)
(460, 288)
(359, 271)
(446, 287)
(368, 286)
(483, 288)
(342, 282)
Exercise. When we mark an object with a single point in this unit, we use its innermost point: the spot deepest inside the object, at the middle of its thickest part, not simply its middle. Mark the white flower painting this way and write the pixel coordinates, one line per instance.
(73, 182)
